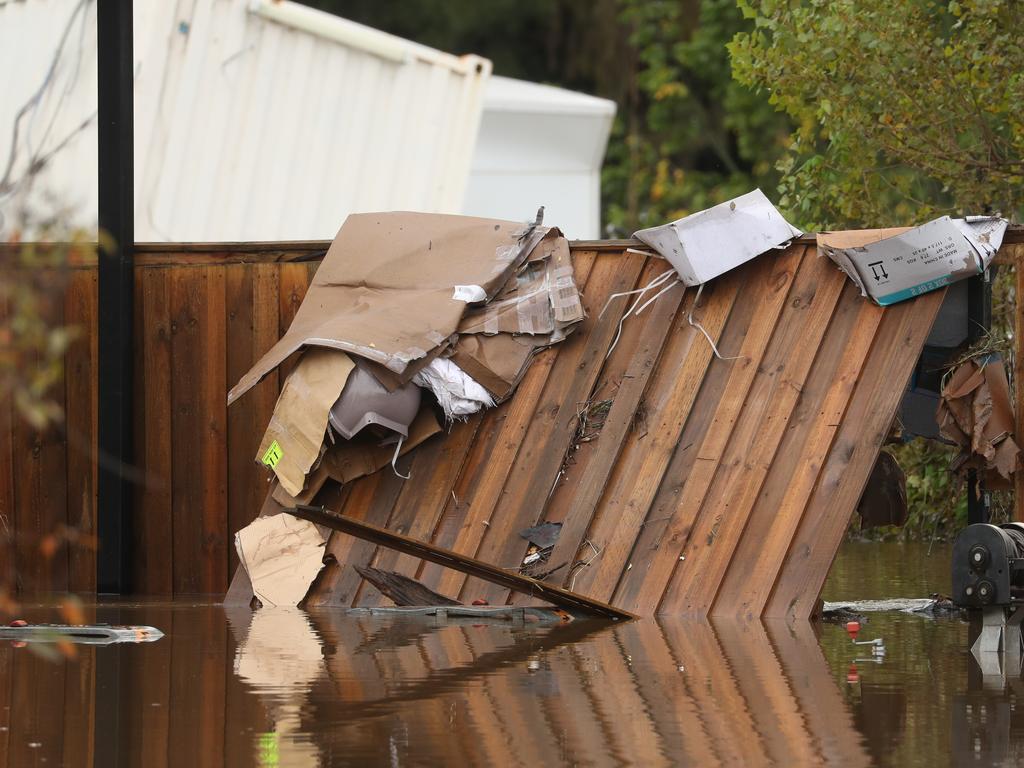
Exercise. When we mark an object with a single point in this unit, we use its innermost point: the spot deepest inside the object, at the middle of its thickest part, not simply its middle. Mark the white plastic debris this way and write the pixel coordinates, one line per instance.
(456, 392)
(708, 243)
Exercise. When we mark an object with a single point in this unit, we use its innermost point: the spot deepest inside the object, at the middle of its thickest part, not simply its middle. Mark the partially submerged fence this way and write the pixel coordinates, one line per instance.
(204, 314)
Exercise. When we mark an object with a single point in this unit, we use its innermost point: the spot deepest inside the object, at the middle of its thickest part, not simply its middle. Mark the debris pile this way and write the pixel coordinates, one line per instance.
(637, 502)
(412, 320)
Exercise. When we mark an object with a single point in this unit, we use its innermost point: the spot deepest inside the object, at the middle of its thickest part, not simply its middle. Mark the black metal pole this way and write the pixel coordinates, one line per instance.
(117, 227)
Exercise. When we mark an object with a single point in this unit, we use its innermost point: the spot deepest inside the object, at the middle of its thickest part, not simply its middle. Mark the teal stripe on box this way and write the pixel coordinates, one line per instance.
(916, 290)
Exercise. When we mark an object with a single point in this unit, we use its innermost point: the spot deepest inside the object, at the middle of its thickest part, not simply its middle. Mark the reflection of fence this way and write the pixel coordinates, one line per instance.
(377, 691)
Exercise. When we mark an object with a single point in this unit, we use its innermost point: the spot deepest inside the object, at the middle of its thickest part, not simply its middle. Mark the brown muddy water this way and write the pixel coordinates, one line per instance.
(285, 688)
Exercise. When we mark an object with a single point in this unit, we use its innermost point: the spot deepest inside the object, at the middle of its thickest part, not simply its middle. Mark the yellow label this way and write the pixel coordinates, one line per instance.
(273, 455)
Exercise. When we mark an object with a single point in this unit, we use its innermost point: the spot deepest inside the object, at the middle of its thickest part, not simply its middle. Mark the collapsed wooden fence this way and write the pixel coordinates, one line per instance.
(205, 313)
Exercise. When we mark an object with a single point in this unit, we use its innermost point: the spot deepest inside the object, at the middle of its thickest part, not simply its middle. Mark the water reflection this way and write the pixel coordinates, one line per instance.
(290, 688)
(282, 687)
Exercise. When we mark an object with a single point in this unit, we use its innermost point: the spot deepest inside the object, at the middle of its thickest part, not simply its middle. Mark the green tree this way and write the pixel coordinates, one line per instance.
(689, 136)
(903, 111)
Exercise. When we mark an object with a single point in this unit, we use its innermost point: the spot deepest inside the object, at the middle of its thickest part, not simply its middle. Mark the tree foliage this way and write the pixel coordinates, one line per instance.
(903, 111)
(689, 136)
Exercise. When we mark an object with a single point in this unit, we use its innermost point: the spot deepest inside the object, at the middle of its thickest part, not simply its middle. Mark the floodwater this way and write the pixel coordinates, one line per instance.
(285, 688)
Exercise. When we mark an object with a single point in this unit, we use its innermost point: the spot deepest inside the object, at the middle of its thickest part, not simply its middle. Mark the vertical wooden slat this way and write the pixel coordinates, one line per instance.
(153, 523)
(293, 282)
(252, 328)
(199, 431)
(215, 438)
(80, 420)
(40, 467)
(8, 520)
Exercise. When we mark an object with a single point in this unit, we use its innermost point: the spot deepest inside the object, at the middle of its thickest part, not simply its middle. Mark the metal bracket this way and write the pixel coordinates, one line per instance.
(998, 648)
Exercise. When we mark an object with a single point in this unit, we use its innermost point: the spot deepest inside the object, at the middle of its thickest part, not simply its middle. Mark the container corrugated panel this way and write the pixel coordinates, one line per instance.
(253, 121)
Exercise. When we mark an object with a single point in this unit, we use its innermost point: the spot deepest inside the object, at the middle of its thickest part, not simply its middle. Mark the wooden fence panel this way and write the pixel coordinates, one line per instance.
(651, 498)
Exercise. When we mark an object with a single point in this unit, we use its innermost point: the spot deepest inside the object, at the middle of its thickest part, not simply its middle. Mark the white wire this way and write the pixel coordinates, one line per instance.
(699, 327)
(653, 284)
(641, 291)
(394, 460)
(654, 298)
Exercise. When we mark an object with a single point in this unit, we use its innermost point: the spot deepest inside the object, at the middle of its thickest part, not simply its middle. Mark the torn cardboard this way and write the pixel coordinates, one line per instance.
(281, 555)
(292, 443)
(893, 265)
(975, 413)
(385, 290)
(708, 243)
(541, 299)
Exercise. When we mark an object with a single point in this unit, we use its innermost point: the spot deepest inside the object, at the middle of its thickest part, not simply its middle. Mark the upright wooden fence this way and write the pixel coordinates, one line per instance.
(204, 314)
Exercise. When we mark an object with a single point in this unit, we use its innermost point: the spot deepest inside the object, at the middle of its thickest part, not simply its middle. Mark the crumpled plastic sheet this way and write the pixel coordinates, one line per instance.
(456, 392)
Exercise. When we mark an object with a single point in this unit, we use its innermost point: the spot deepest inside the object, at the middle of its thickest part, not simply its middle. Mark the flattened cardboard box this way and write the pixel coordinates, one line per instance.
(893, 265)
(394, 287)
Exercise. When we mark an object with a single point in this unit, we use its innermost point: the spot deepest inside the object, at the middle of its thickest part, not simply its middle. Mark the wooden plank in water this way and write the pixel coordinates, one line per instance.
(251, 292)
(617, 425)
(8, 561)
(499, 439)
(425, 551)
(199, 424)
(619, 519)
(435, 468)
(902, 332)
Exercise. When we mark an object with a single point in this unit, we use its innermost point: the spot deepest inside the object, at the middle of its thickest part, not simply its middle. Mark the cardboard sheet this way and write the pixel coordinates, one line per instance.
(497, 362)
(292, 444)
(386, 288)
(281, 555)
(708, 243)
(541, 299)
(975, 413)
(893, 265)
